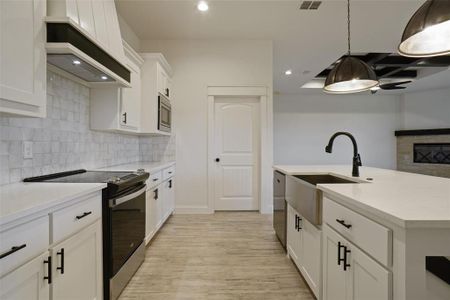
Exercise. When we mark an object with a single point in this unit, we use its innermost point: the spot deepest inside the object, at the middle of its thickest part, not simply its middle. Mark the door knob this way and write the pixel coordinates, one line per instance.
(217, 159)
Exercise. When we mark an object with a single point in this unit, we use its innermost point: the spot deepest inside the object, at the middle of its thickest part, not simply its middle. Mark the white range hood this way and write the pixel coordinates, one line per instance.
(84, 41)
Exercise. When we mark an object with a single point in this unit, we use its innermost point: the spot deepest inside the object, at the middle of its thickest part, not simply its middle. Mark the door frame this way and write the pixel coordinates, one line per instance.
(266, 140)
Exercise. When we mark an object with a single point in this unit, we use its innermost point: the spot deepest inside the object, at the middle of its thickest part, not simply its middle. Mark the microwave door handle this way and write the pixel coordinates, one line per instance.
(120, 200)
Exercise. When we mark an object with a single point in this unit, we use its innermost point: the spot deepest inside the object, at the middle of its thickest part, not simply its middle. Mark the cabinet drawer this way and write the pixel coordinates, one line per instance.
(75, 217)
(370, 236)
(154, 180)
(29, 240)
(168, 172)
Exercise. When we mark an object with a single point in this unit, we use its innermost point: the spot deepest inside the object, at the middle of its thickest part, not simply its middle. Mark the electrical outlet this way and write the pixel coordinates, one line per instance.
(27, 149)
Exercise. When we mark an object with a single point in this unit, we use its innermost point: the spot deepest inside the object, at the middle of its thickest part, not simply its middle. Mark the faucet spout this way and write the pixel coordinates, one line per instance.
(356, 157)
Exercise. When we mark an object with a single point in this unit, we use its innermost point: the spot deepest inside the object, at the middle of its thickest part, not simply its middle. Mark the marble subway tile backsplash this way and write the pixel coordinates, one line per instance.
(63, 140)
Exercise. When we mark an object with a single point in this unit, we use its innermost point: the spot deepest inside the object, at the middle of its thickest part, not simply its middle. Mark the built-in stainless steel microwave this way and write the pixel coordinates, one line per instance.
(164, 114)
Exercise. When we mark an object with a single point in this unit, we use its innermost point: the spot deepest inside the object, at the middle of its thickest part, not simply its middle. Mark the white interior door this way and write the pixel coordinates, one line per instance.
(236, 146)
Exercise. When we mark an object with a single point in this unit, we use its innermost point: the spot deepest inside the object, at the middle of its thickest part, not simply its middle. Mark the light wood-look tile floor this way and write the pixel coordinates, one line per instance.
(227, 255)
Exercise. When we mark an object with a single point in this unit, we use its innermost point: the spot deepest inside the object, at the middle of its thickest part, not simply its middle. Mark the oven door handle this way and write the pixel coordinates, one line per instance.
(118, 201)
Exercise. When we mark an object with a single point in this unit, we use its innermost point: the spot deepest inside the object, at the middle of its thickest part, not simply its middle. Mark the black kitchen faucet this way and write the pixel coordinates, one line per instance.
(356, 157)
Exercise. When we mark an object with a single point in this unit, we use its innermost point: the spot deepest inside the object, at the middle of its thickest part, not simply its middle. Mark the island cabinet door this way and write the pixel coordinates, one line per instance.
(294, 235)
(334, 276)
(77, 265)
(310, 255)
(29, 281)
(349, 273)
(367, 279)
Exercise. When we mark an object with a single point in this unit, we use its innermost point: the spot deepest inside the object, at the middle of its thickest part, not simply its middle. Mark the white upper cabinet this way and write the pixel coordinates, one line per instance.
(156, 73)
(97, 19)
(119, 109)
(163, 81)
(23, 58)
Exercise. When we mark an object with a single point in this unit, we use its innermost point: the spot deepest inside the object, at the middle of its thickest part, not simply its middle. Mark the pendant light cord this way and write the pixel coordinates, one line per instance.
(348, 27)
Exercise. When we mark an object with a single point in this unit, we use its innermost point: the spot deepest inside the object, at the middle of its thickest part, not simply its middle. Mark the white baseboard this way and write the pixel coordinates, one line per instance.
(193, 210)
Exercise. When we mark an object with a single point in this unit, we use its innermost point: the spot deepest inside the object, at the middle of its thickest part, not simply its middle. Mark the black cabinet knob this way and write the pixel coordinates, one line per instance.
(217, 159)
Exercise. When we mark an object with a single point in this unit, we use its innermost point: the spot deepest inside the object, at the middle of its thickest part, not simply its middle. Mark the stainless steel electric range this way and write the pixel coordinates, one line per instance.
(123, 222)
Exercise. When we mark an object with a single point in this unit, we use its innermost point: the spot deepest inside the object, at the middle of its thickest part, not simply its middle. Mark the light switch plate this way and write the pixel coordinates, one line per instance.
(27, 149)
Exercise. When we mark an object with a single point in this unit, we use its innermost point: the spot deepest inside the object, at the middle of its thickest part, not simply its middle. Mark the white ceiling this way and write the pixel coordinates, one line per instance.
(304, 41)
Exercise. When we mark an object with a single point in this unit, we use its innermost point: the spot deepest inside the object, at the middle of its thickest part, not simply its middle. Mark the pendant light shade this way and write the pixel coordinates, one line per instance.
(350, 75)
(428, 32)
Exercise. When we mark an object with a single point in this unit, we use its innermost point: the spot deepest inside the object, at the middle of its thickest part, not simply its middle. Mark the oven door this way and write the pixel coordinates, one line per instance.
(164, 114)
(127, 226)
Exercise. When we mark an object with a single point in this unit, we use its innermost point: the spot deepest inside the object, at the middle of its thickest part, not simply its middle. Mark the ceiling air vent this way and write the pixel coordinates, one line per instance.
(312, 5)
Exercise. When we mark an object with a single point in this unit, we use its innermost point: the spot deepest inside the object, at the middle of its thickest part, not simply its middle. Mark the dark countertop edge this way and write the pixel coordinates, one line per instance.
(440, 131)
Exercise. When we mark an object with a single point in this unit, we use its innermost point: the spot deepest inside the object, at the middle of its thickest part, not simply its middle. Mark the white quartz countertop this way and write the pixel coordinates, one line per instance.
(21, 199)
(406, 199)
(147, 166)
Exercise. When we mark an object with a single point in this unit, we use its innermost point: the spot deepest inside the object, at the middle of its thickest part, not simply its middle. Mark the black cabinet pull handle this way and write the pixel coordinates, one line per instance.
(170, 184)
(124, 117)
(61, 268)
(339, 258)
(342, 222)
(49, 270)
(167, 92)
(346, 251)
(170, 172)
(156, 194)
(83, 215)
(13, 249)
(296, 222)
(298, 225)
(278, 180)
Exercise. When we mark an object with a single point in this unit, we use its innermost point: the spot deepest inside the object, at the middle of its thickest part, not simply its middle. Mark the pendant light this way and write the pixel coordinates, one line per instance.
(350, 75)
(428, 32)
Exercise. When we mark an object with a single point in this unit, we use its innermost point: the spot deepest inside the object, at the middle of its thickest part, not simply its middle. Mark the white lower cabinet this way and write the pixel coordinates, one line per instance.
(168, 198)
(349, 273)
(27, 281)
(77, 265)
(150, 213)
(160, 202)
(310, 253)
(55, 255)
(294, 235)
(304, 244)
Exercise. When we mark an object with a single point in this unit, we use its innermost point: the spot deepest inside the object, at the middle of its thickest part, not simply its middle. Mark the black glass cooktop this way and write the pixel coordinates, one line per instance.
(117, 181)
(83, 176)
(92, 177)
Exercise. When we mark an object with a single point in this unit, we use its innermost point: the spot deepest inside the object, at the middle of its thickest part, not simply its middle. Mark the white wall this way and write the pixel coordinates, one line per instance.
(427, 109)
(303, 125)
(196, 65)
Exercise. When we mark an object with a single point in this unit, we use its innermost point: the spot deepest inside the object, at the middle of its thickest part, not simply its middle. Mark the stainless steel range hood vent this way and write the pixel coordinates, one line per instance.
(71, 51)
(78, 67)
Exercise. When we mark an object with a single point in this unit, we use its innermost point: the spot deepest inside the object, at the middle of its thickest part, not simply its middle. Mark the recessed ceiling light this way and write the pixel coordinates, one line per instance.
(104, 77)
(288, 72)
(202, 6)
(76, 62)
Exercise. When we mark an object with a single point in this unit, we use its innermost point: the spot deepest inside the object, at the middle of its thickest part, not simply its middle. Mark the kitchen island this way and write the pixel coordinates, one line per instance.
(388, 222)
